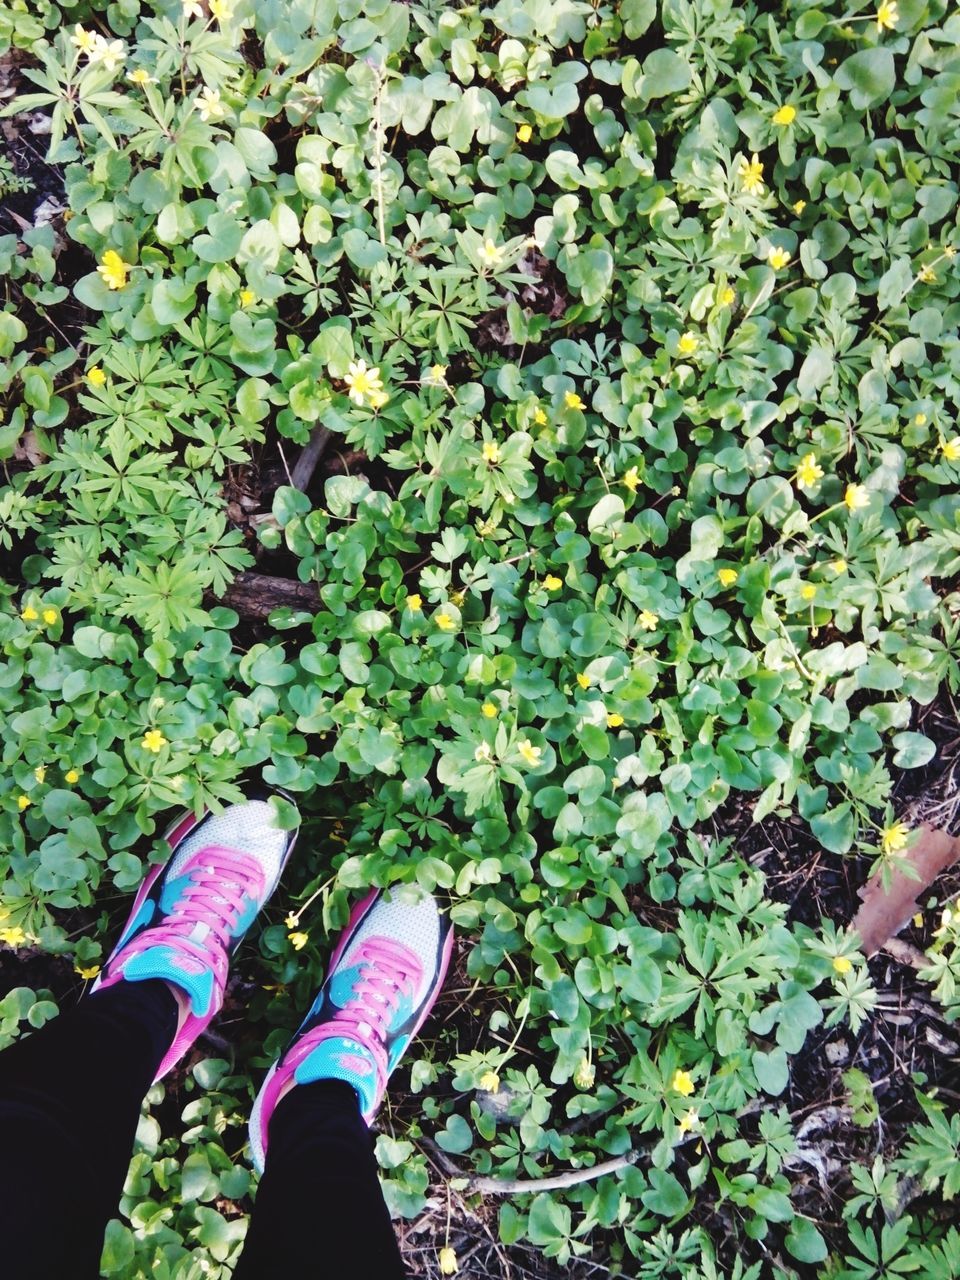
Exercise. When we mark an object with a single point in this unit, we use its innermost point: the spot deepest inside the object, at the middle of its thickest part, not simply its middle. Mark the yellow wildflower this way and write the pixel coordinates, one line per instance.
(689, 1121)
(445, 621)
(583, 680)
(247, 297)
(153, 740)
(918, 920)
(191, 8)
(785, 114)
(727, 296)
(96, 377)
(87, 974)
(12, 936)
(631, 478)
(585, 1074)
(113, 270)
(529, 752)
(491, 253)
(85, 41)
(298, 940)
(491, 452)
(490, 1081)
(683, 1083)
(524, 133)
(438, 373)
(809, 471)
(414, 603)
(808, 591)
(552, 583)
(887, 15)
(799, 206)
(778, 257)
(483, 753)
(614, 720)
(856, 497)
(40, 772)
(448, 1261)
(572, 400)
(927, 275)
(379, 398)
(361, 381)
(29, 614)
(140, 76)
(23, 802)
(838, 566)
(220, 10)
(951, 449)
(841, 964)
(688, 343)
(648, 620)
(209, 104)
(539, 416)
(489, 709)
(893, 839)
(727, 577)
(72, 776)
(751, 174)
(949, 250)
(50, 616)
(110, 52)
(920, 419)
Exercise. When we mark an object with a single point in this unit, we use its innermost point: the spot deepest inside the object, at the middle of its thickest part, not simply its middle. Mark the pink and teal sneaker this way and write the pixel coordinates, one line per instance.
(192, 910)
(384, 976)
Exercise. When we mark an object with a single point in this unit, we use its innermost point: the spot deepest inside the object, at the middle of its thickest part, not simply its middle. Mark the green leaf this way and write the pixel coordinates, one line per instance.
(772, 1071)
(870, 76)
(666, 1196)
(804, 1242)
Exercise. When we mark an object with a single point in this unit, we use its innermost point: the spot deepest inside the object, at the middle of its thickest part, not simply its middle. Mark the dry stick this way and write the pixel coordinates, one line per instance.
(303, 468)
(528, 1186)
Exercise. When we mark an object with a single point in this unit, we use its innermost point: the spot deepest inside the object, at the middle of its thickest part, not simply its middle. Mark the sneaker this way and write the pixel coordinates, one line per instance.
(384, 976)
(192, 910)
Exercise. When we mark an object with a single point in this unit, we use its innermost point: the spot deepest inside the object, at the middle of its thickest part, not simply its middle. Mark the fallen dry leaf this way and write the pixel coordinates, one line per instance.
(882, 914)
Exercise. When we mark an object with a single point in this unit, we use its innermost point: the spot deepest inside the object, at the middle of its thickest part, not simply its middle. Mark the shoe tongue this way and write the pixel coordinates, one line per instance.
(164, 962)
(342, 1058)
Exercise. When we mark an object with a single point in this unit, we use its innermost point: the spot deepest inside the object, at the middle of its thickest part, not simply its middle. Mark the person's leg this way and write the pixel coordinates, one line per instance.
(319, 1209)
(70, 1097)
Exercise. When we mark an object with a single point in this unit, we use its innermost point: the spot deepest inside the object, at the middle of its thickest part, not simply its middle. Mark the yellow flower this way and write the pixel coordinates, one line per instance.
(87, 974)
(12, 936)
(140, 76)
(438, 373)
(688, 343)
(110, 52)
(927, 275)
(799, 206)
(631, 478)
(29, 614)
(153, 740)
(583, 681)
(483, 753)
(552, 583)
(489, 709)
(445, 622)
(727, 577)
(778, 257)
(585, 1074)
(414, 603)
(683, 1083)
(920, 419)
(23, 802)
(220, 10)
(689, 1121)
(614, 720)
(951, 449)
(448, 1261)
(856, 497)
(841, 964)
(191, 8)
(785, 114)
(524, 133)
(808, 591)
(539, 416)
(298, 940)
(85, 41)
(361, 381)
(379, 398)
(809, 471)
(491, 451)
(491, 253)
(247, 297)
(71, 776)
(918, 920)
(40, 772)
(96, 377)
(572, 400)
(838, 566)
(949, 251)
(113, 270)
(893, 839)
(751, 173)
(50, 616)
(209, 104)
(887, 15)
(490, 1081)
(529, 752)
(727, 296)
(648, 620)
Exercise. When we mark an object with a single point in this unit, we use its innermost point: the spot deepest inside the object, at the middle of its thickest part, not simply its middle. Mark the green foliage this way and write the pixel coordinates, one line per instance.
(643, 318)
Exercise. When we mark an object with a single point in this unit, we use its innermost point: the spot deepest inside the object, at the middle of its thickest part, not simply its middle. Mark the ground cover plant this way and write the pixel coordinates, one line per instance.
(579, 380)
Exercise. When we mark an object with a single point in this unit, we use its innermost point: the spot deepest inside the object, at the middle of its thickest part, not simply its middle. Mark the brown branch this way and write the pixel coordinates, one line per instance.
(256, 595)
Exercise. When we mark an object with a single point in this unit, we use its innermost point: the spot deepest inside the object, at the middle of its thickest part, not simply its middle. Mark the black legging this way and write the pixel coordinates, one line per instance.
(70, 1097)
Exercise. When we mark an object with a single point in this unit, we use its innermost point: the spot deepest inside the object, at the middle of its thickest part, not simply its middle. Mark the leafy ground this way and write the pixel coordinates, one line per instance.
(528, 436)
